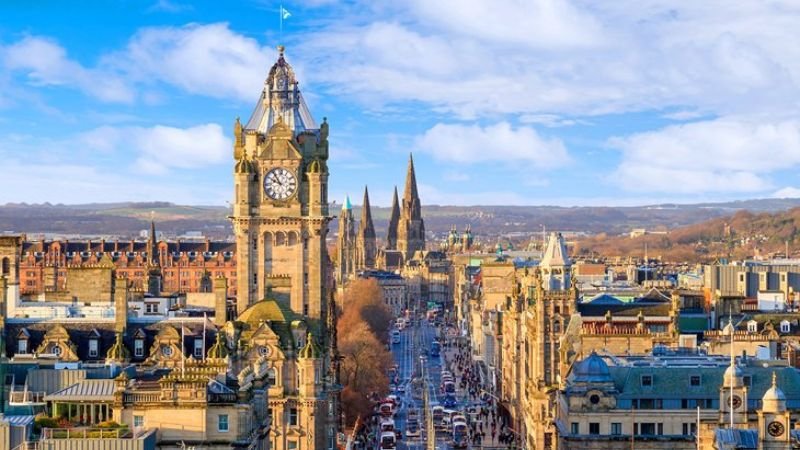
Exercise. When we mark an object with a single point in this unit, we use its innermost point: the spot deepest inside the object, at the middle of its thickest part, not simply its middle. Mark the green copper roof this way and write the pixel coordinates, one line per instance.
(275, 314)
(347, 205)
(311, 350)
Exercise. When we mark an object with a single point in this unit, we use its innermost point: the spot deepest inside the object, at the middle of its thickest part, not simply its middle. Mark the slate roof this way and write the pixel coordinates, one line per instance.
(670, 382)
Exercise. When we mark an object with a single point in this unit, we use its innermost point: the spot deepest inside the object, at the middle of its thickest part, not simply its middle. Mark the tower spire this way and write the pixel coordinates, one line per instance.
(411, 228)
(394, 218)
(366, 248)
(411, 182)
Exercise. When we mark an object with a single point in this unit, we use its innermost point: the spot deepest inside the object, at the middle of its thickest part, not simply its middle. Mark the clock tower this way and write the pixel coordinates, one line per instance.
(773, 419)
(280, 211)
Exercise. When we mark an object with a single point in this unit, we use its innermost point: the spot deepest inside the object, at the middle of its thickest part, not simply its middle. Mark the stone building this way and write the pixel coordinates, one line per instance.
(346, 244)
(658, 403)
(410, 226)
(280, 220)
(185, 265)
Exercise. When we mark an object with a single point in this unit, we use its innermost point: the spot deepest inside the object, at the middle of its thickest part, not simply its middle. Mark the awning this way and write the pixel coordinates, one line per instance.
(85, 391)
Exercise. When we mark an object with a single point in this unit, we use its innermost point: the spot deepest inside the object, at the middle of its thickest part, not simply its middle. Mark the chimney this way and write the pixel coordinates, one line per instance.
(121, 290)
(220, 301)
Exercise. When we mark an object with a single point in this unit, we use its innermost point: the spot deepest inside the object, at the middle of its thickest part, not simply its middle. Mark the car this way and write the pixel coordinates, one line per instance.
(449, 401)
(401, 389)
(387, 424)
(386, 409)
(413, 429)
(460, 435)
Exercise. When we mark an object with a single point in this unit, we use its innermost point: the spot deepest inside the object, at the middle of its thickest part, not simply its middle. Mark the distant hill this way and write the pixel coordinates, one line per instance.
(126, 219)
(740, 235)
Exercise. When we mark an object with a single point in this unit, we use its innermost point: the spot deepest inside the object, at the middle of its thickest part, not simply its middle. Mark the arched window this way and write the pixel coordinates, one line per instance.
(6, 266)
(272, 376)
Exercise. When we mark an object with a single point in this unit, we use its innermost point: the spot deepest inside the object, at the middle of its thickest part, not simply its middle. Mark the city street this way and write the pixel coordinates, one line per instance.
(416, 367)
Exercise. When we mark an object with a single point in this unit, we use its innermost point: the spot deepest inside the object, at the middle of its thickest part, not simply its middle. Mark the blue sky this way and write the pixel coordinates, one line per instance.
(534, 102)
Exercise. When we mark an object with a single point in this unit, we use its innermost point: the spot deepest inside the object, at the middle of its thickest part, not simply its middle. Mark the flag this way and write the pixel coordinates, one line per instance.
(285, 14)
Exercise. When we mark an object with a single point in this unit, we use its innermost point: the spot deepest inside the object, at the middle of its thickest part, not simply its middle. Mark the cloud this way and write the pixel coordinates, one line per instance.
(473, 144)
(722, 155)
(787, 192)
(45, 63)
(160, 148)
(479, 59)
(209, 60)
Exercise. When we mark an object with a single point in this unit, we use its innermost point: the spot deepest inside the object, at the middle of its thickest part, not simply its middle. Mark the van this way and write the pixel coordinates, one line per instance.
(388, 440)
(395, 337)
(387, 425)
(460, 435)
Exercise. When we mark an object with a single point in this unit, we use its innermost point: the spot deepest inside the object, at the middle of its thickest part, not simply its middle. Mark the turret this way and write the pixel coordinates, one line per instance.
(220, 301)
(556, 264)
(121, 290)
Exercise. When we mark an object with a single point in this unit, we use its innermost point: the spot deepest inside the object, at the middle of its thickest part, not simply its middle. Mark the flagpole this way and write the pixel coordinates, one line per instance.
(205, 319)
(280, 20)
(183, 355)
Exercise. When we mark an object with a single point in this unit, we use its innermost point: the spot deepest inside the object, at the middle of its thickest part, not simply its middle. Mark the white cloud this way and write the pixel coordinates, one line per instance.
(723, 155)
(209, 60)
(46, 63)
(573, 58)
(160, 148)
(500, 143)
(787, 192)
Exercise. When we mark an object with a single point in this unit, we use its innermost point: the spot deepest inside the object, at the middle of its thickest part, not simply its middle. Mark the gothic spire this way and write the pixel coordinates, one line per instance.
(366, 228)
(152, 243)
(394, 218)
(410, 196)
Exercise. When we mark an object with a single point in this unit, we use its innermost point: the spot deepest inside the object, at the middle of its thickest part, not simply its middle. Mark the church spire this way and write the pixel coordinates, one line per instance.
(394, 218)
(366, 228)
(410, 196)
(152, 243)
(366, 246)
(411, 228)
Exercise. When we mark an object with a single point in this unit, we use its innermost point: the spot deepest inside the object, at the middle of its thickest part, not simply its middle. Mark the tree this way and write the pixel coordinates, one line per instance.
(363, 302)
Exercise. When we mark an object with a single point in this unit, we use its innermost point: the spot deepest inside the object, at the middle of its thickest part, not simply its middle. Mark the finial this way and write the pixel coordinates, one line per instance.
(281, 49)
(152, 215)
(774, 379)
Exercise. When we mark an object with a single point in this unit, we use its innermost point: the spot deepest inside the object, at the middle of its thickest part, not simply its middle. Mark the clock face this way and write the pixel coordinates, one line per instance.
(280, 184)
(166, 351)
(737, 401)
(775, 429)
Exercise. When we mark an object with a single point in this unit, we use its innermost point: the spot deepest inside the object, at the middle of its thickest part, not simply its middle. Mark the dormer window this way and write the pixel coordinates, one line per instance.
(752, 326)
(786, 327)
(694, 380)
(92, 348)
(198, 348)
(22, 346)
(138, 347)
(647, 381)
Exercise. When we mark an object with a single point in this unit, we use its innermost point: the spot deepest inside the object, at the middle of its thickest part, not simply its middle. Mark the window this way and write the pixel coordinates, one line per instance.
(151, 308)
(138, 347)
(222, 423)
(292, 417)
(575, 428)
(660, 428)
(292, 445)
(647, 428)
(747, 380)
(616, 428)
(694, 380)
(56, 350)
(752, 326)
(272, 376)
(93, 347)
(647, 380)
(785, 326)
(166, 350)
(138, 421)
(198, 348)
(594, 428)
(689, 428)
(22, 346)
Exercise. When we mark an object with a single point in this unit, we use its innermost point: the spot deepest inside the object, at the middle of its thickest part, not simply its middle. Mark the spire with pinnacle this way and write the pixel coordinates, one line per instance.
(366, 246)
(346, 246)
(394, 218)
(411, 228)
